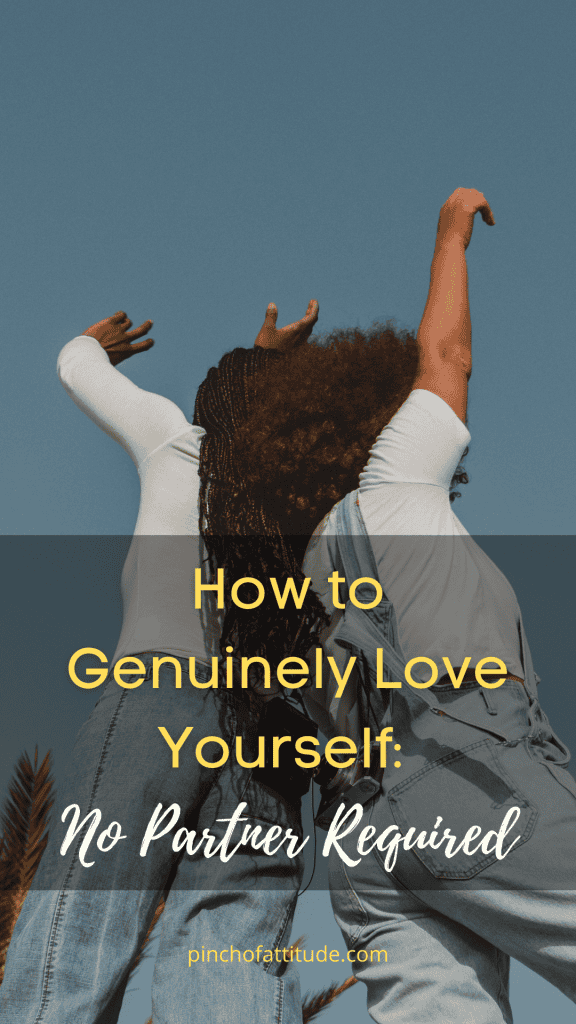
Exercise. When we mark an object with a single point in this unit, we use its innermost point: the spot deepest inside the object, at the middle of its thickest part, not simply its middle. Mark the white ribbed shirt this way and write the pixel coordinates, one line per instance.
(158, 575)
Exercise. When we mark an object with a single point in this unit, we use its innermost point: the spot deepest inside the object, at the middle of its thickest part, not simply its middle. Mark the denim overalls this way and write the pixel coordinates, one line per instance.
(448, 918)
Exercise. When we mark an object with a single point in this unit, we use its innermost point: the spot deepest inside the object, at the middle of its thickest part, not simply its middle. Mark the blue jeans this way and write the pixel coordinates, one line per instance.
(81, 927)
(450, 925)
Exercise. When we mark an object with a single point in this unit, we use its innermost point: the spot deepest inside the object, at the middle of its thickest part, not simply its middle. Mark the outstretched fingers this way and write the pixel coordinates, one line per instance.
(138, 331)
(271, 315)
(312, 311)
(288, 337)
(142, 346)
(305, 325)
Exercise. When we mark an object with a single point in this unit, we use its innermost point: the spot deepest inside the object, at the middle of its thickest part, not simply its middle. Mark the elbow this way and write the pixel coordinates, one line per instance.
(457, 359)
(448, 378)
(450, 362)
(63, 371)
(60, 370)
(70, 359)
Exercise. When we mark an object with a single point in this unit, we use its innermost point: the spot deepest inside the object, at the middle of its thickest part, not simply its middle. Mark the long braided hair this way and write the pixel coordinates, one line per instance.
(240, 535)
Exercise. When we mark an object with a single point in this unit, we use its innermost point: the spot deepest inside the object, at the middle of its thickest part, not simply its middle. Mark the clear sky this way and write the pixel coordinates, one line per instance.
(192, 161)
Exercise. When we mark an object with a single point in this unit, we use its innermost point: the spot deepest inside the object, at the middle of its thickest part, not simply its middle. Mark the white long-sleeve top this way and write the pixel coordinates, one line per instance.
(449, 598)
(158, 575)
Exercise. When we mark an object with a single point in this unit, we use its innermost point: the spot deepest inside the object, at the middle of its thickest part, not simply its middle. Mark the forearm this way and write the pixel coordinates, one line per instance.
(445, 332)
(444, 336)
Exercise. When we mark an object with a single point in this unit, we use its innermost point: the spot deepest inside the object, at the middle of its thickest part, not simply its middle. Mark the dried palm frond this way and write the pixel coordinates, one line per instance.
(296, 945)
(313, 1005)
(24, 824)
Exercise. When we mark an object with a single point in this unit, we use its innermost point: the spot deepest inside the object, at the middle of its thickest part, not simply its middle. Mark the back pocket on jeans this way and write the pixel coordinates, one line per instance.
(466, 788)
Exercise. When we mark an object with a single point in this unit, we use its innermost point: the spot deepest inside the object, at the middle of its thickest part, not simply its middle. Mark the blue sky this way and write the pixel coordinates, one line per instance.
(192, 161)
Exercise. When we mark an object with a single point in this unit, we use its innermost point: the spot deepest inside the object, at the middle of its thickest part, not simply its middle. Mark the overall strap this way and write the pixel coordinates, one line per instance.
(358, 560)
(365, 630)
(362, 628)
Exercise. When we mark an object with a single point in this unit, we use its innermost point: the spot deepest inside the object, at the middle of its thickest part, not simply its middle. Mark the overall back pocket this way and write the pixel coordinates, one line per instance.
(465, 788)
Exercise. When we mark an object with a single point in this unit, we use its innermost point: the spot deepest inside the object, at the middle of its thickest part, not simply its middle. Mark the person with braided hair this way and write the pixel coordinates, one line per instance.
(240, 534)
(86, 915)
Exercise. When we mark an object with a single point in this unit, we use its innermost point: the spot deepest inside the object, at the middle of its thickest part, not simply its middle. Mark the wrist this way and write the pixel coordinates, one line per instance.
(450, 239)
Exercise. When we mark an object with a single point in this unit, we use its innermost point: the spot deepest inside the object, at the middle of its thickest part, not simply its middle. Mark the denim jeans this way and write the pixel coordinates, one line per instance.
(450, 925)
(80, 927)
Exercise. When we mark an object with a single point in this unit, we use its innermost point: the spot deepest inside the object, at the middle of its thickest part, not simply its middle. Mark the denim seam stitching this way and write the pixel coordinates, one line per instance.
(48, 968)
(279, 1000)
(353, 896)
(282, 930)
(48, 965)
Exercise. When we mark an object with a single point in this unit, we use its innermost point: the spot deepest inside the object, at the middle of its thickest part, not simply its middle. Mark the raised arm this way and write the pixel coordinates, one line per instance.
(444, 335)
(139, 420)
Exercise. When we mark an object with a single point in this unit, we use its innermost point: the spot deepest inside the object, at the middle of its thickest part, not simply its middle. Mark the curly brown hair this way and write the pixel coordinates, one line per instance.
(315, 418)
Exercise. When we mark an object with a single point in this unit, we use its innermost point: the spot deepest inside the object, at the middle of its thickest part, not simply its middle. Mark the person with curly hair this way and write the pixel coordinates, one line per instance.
(314, 420)
(467, 857)
(91, 904)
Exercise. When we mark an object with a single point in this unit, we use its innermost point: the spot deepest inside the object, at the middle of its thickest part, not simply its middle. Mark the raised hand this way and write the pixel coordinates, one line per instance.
(457, 214)
(117, 339)
(286, 338)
